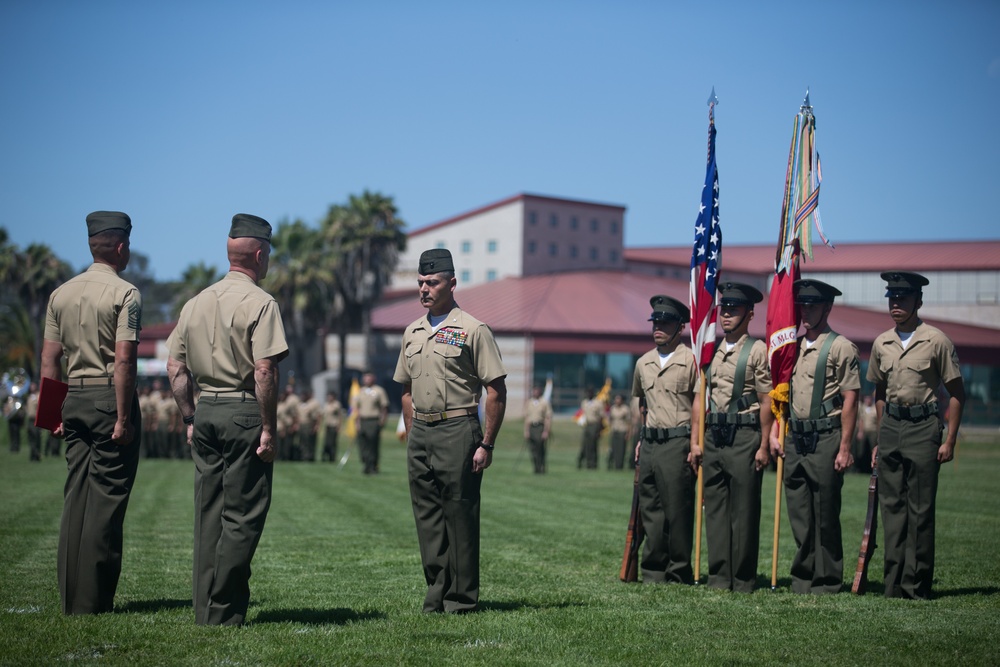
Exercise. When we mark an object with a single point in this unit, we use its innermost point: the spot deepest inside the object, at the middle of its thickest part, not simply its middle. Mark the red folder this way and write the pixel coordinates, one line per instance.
(51, 395)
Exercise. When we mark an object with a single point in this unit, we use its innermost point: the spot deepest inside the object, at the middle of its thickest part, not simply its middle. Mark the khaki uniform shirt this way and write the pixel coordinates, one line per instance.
(149, 405)
(88, 314)
(167, 412)
(593, 410)
(669, 391)
(370, 402)
(912, 376)
(288, 414)
(447, 369)
(842, 373)
(333, 412)
(757, 378)
(620, 417)
(537, 411)
(224, 330)
(309, 414)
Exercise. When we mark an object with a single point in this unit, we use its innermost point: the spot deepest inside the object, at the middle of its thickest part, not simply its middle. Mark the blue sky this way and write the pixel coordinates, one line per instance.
(184, 113)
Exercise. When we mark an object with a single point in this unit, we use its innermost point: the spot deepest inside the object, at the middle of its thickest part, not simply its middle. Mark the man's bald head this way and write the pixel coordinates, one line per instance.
(248, 255)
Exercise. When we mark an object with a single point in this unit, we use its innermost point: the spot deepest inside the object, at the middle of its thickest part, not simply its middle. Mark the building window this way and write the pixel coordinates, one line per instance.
(613, 256)
(594, 224)
(614, 226)
(466, 276)
(572, 252)
(491, 275)
(553, 250)
(440, 244)
(532, 246)
(491, 245)
(574, 223)
(466, 246)
(532, 218)
(593, 254)
(553, 220)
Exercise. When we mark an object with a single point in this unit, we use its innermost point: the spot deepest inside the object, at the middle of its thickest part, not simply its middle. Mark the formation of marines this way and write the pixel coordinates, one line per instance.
(223, 409)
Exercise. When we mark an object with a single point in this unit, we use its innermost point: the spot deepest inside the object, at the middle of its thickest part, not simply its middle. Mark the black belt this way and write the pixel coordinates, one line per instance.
(818, 425)
(728, 419)
(913, 413)
(537, 424)
(655, 434)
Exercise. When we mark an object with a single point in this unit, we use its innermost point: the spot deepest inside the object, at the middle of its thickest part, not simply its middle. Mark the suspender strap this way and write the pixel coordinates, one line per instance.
(819, 381)
(736, 403)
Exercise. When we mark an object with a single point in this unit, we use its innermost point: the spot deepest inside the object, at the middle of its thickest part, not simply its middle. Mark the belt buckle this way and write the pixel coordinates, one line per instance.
(442, 416)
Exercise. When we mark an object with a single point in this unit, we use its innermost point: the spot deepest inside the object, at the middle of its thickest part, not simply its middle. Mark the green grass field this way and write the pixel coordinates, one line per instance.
(337, 577)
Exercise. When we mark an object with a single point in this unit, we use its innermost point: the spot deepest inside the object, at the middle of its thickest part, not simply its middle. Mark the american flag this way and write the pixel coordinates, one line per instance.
(706, 258)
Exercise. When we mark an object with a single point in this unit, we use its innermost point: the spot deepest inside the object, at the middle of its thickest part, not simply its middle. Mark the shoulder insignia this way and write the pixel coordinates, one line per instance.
(134, 316)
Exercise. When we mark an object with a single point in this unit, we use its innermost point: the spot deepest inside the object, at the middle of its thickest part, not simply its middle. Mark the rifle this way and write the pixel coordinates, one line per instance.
(868, 538)
(636, 531)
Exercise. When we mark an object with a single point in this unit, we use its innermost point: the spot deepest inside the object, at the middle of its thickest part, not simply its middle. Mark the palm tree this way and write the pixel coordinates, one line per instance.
(195, 278)
(301, 279)
(38, 272)
(17, 339)
(366, 236)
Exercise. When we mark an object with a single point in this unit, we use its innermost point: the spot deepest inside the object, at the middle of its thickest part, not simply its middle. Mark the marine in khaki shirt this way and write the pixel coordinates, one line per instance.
(736, 443)
(446, 360)
(227, 343)
(665, 381)
(94, 320)
(817, 447)
(908, 365)
(537, 424)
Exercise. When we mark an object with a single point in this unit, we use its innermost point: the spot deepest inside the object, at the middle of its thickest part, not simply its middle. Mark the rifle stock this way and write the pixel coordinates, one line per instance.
(868, 538)
(636, 532)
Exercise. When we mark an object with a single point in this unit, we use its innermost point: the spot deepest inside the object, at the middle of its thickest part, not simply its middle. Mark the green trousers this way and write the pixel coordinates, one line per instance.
(98, 484)
(369, 434)
(537, 445)
(812, 494)
(445, 495)
(666, 502)
(907, 494)
(232, 494)
(732, 510)
(589, 445)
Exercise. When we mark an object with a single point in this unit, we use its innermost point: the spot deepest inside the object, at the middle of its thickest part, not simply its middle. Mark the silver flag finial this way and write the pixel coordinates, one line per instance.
(712, 99)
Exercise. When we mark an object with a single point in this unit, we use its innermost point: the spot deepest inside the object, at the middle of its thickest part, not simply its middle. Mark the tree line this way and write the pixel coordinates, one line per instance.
(326, 278)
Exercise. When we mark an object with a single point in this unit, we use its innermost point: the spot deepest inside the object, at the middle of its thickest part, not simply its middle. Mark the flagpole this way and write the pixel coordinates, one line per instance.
(699, 496)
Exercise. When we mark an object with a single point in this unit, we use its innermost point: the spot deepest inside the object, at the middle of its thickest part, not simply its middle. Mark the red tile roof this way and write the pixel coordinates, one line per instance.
(847, 257)
(609, 310)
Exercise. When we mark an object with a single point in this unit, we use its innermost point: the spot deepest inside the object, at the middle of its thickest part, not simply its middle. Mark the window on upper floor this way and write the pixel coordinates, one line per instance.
(553, 220)
(593, 254)
(532, 218)
(594, 224)
(491, 275)
(614, 226)
(466, 276)
(572, 252)
(532, 247)
(553, 250)
(491, 245)
(466, 246)
(574, 223)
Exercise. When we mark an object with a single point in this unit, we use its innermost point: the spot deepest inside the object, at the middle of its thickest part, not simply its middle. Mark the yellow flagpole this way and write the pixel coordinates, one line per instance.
(699, 496)
(777, 503)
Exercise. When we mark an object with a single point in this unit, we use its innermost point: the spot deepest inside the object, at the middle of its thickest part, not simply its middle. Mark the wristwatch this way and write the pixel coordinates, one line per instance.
(188, 420)
(488, 448)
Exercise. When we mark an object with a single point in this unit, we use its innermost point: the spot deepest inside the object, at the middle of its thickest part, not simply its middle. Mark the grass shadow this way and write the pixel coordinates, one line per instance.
(340, 616)
(517, 605)
(147, 606)
(956, 592)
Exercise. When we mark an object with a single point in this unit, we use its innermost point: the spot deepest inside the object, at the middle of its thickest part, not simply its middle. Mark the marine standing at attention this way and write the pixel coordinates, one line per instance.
(228, 342)
(817, 452)
(666, 379)
(446, 360)
(908, 365)
(537, 424)
(736, 443)
(94, 319)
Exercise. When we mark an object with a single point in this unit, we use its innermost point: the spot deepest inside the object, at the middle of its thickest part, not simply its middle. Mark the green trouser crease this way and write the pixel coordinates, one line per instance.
(445, 494)
(666, 502)
(98, 484)
(537, 444)
(232, 494)
(369, 433)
